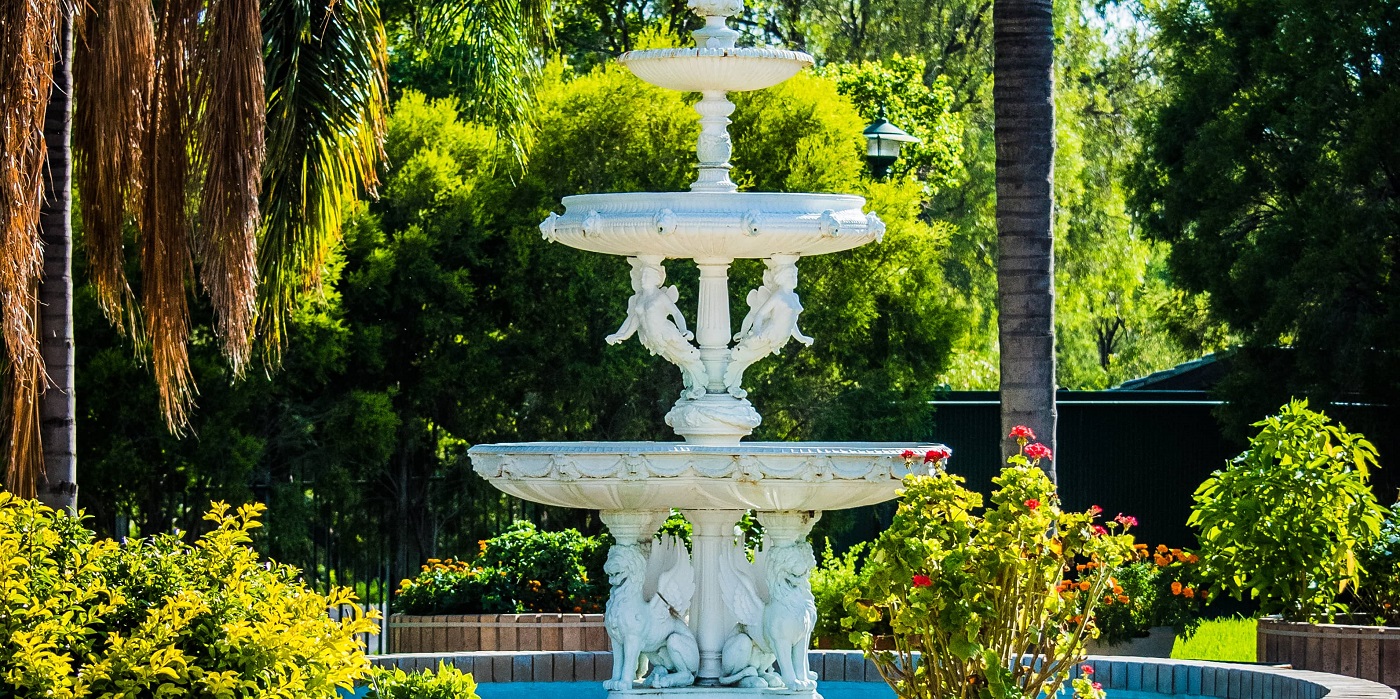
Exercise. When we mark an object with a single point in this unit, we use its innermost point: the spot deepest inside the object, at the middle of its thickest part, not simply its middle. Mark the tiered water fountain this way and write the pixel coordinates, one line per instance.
(708, 623)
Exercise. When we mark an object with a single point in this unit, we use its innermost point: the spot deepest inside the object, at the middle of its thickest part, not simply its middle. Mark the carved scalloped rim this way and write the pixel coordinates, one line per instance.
(809, 463)
(716, 52)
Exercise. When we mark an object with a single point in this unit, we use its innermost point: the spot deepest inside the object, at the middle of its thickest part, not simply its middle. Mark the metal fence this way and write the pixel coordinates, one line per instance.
(1139, 452)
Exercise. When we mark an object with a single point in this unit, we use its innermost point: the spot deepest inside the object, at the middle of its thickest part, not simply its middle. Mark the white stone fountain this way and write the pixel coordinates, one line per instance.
(709, 623)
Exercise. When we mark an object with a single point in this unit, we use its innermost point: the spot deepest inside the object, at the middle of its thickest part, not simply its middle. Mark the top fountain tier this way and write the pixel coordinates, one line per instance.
(715, 64)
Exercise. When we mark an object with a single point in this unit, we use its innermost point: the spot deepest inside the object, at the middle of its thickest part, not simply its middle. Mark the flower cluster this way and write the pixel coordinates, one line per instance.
(1159, 589)
(935, 456)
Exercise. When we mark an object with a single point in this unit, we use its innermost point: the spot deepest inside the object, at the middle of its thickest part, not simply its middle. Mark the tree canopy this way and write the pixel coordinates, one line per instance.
(1273, 170)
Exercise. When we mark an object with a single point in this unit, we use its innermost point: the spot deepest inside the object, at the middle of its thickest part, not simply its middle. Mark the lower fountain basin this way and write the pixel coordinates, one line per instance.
(662, 475)
(722, 225)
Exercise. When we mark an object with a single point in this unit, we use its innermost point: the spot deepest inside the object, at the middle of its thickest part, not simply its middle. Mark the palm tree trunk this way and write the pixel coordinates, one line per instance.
(57, 410)
(1023, 105)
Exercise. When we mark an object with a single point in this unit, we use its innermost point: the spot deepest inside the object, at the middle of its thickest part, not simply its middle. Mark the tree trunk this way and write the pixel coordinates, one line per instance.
(57, 410)
(1023, 105)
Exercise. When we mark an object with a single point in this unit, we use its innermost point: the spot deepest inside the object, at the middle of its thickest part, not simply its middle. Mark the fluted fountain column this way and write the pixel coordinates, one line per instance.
(711, 536)
(712, 325)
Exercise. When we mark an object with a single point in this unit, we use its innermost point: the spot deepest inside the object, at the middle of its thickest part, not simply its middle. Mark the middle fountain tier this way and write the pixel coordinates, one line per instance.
(707, 621)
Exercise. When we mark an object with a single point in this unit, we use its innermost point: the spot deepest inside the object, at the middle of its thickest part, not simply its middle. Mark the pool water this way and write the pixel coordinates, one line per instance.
(828, 690)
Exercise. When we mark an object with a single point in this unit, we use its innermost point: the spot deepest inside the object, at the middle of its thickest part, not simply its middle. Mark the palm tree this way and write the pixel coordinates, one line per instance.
(57, 409)
(1022, 95)
(268, 116)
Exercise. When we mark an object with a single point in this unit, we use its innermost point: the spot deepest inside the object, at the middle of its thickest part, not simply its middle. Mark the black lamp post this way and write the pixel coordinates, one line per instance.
(885, 140)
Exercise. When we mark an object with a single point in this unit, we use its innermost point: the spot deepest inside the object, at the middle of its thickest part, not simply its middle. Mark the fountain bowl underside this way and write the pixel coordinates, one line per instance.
(663, 475)
(720, 225)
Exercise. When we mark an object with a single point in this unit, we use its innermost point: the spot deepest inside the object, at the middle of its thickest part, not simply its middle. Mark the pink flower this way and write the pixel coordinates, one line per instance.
(1126, 520)
(1032, 503)
(922, 580)
(908, 454)
(1087, 669)
(1095, 510)
(1098, 687)
(1099, 530)
(1036, 451)
(1021, 432)
(937, 454)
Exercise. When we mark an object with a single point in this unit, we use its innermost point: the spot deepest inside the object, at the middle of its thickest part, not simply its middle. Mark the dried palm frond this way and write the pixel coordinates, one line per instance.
(113, 69)
(28, 39)
(325, 64)
(24, 457)
(166, 263)
(231, 153)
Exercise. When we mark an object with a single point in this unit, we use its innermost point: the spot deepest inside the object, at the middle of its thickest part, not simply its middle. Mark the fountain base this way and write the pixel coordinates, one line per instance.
(715, 693)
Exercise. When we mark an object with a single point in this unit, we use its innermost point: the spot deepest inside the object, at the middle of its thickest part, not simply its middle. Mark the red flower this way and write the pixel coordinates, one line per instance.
(1087, 669)
(908, 454)
(1126, 520)
(1097, 686)
(1032, 503)
(922, 581)
(1099, 530)
(937, 454)
(1037, 451)
(1095, 510)
(1021, 432)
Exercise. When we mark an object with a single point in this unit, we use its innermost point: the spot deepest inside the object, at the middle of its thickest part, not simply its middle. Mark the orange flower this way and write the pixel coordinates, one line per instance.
(1188, 593)
(1123, 599)
(1108, 599)
(1176, 587)
(1162, 548)
(1162, 561)
(1117, 589)
(1140, 547)
(1084, 585)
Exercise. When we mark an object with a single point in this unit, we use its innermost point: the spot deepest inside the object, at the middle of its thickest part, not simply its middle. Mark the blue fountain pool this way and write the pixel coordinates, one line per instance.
(829, 690)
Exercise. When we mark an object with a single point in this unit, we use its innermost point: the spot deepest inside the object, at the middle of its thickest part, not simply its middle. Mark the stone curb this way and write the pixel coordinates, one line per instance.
(1178, 677)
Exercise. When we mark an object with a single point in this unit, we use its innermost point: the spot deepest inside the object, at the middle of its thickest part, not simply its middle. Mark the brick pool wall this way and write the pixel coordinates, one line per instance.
(1172, 677)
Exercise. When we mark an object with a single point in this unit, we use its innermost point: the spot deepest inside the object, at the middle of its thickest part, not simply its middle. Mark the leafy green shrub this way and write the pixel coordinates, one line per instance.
(521, 570)
(1285, 520)
(1380, 583)
(833, 577)
(447, 683)
(975, 592)
(159, 617)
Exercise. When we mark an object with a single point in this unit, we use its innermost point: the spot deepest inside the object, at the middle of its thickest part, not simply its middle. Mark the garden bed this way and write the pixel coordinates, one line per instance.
(489, 632)
(1366, 652)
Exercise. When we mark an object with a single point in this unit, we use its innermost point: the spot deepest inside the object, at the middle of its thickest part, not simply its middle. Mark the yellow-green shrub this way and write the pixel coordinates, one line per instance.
(159, 617)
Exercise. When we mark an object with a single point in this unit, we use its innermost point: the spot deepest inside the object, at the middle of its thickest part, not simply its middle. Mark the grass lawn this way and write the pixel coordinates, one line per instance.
(1230, 639)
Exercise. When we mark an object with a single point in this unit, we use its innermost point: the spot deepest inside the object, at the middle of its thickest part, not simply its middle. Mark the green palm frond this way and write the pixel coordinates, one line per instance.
(325, 63)
(490, 48)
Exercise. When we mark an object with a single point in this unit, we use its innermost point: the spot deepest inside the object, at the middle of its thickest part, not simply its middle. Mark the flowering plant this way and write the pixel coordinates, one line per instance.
(978, 591)
(1157, 589)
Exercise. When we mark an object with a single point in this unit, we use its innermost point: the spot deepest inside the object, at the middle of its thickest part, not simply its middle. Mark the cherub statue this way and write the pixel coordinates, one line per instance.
(653, 316)
(772, 599)
(770, 323)
(645, 615)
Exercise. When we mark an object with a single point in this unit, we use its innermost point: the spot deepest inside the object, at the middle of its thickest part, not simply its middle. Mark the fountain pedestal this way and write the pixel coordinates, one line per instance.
(708, 622)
